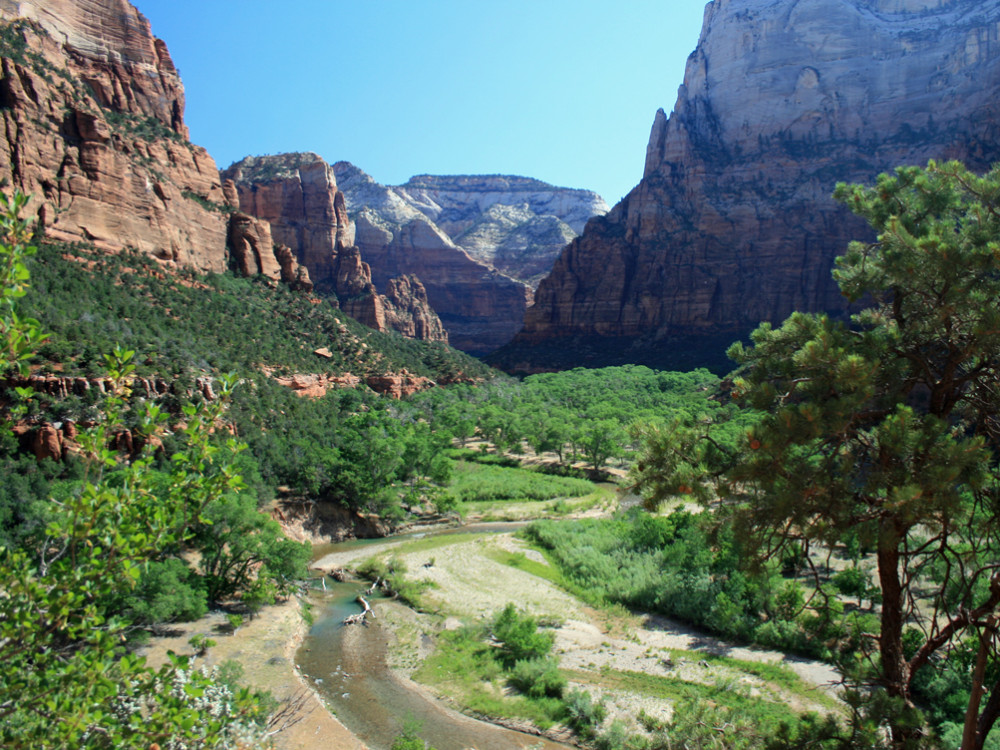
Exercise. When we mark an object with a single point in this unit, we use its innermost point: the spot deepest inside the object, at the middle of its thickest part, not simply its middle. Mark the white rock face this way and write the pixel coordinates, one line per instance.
(479, 244)
(516, 225)
(453, 203)
(480, 307)
(517, 241)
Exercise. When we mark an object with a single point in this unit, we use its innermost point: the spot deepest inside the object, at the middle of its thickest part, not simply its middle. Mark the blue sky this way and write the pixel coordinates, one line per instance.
(561, 90)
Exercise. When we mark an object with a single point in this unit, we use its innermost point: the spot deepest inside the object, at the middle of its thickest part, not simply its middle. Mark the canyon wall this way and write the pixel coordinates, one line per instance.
(517, 225)
(92, 110)
(93, 130)
(297, 196)
(732, 222)
(478, 243)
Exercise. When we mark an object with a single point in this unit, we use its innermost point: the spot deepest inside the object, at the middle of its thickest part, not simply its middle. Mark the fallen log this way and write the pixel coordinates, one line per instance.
(360, 618)
(367, 607)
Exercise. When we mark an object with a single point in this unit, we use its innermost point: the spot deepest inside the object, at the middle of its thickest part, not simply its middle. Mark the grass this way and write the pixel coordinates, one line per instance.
(463, 669)
(520, 561)
(478, 482)
(722, 695)
(776, 675)
(529, 510)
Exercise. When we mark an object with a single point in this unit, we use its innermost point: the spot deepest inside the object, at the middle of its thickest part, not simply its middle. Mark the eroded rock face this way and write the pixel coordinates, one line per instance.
(93, 116)
(517, 225)
(480, 307)
(297, 196)
(92, 110)
(412, 310)
(733, 223)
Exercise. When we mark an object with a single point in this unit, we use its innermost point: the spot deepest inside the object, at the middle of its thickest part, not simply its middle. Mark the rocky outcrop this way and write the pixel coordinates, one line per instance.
(316, 385)
(455, 202)
(296, 195)
(253, 250)
(733, 222)
(480, 307)
(93, 129)
(410, 312)
(322, 522)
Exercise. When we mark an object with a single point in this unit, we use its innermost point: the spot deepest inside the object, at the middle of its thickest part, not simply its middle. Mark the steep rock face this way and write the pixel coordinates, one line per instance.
(517, 225)
(412, 311)
(733, 222)
(93, 128)
(297, 196)
(480, 307)
(517, 241)
(456, 202)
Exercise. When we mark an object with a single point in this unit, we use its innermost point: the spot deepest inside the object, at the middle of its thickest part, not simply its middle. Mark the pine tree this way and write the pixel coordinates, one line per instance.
(887, 427)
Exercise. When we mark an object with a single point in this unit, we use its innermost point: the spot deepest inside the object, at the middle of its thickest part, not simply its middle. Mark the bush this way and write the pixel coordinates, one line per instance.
(538, 678)
(583, 714)
(519, 638)
(168, 591)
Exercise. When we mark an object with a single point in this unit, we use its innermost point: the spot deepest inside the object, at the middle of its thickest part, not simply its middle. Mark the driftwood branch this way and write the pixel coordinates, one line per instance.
(360, 618)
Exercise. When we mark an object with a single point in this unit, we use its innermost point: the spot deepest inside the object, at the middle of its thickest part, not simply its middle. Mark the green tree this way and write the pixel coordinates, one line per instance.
(66, 681)
(371, 460)
(602, 439)
(244, 553)
(886, 427)
(519, 638)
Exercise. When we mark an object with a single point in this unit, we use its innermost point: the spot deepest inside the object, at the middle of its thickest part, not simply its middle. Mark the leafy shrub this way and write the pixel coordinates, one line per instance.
(519, 638)
(671, 565)
(393, 572)
(583, 714)
(538, 678)
(168, 591)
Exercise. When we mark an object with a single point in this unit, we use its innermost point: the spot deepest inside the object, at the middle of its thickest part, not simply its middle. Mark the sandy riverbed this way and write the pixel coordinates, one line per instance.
(265, 648)
(469, 583)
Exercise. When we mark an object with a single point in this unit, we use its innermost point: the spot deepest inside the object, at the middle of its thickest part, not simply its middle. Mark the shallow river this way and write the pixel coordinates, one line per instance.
(347, 665)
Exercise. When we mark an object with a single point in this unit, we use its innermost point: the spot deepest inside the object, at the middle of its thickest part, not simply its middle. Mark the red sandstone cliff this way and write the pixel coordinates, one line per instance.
(93, 128)
(733, 222)
(297, 195)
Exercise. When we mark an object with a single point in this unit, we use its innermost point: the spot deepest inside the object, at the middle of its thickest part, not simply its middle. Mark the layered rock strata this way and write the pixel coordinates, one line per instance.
(93, 129)
(517, 225)
(92, 112)
(732, 222)
(296, 195)
(482, 307)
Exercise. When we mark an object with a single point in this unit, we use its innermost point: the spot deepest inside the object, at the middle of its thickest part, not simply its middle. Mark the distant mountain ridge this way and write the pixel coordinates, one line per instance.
(476, 242)
(732, 222)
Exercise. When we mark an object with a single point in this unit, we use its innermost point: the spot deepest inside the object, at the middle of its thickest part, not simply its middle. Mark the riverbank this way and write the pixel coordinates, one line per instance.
(265, 649)
(630, 661)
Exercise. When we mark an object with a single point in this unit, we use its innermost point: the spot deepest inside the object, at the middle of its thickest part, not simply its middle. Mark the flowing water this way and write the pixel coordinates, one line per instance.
(347, 665)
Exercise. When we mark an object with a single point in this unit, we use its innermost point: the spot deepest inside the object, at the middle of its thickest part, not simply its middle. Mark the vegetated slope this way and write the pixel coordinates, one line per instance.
(187, 329)
(733, 222)
(195, 324)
